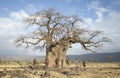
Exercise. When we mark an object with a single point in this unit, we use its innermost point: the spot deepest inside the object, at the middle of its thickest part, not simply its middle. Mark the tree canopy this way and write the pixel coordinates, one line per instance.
(53, 28)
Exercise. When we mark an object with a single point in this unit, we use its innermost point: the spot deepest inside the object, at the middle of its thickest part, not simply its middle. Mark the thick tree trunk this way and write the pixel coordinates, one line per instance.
(56, 54)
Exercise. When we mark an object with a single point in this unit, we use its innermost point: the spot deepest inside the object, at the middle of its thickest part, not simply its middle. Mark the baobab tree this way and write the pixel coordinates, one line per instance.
(56, 33)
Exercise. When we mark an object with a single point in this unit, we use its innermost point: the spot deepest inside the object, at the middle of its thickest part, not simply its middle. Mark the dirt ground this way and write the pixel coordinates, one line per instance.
(92, 70)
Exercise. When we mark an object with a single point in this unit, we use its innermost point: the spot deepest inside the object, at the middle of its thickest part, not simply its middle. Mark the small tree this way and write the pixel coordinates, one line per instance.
(108, 58)
(56, 33)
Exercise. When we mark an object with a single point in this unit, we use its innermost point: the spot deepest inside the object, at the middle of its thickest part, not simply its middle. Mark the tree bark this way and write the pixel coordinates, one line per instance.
(57, 52)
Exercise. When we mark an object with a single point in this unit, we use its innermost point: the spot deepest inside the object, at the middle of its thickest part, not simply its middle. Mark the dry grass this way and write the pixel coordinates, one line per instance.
(92, 70)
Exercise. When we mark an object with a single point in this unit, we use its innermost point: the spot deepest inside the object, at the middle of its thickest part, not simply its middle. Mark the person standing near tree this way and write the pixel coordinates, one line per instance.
(34, 61)
(57, 62)
(46, 61)
(77, 65)
(84, 65)
(67, 60)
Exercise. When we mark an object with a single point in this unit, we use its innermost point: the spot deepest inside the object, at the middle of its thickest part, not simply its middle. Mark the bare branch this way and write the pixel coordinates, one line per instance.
(53, 27)
(94, 34)
(84, 46)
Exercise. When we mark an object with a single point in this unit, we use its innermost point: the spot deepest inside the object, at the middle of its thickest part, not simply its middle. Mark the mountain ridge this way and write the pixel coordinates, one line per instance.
(100, 57)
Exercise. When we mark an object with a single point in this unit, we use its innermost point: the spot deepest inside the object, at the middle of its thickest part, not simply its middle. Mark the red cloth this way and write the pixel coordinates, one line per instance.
(57, 61)
(47, 61)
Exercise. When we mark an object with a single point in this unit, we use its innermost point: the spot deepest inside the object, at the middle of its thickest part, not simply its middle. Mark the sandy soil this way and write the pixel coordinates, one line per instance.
(93, 70)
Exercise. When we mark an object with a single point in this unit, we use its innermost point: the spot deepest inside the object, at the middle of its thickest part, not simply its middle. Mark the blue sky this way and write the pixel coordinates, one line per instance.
(97, 14)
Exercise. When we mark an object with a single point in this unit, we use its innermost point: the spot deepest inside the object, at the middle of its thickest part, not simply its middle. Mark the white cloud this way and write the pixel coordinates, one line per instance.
(32, 8)
(100, 14)
(18, 16)
(4, 9)
(10, 28)
(14, 22)
(100, 11)
(108, 21)
(88, 20)
(93, 5)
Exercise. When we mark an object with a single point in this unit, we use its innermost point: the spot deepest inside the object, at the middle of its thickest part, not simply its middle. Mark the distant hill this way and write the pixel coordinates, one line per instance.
(94, 57)
(100, 57)
(21, 58)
